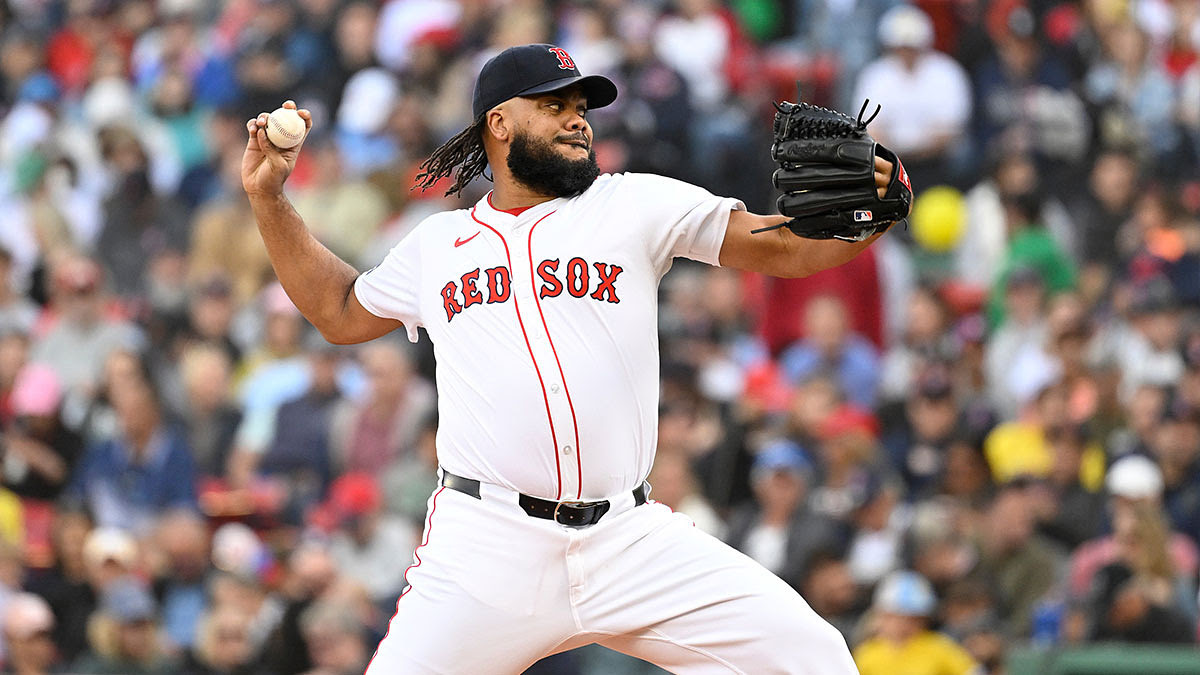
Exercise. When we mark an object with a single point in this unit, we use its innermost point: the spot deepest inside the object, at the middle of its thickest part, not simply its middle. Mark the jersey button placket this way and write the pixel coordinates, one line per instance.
(543, 356)
(543, 346)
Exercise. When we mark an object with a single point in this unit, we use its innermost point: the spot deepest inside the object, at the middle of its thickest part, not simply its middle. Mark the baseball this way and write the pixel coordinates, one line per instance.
(285, 128)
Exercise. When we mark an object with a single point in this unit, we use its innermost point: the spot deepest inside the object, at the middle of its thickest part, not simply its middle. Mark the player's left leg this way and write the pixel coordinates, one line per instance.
(687, 602)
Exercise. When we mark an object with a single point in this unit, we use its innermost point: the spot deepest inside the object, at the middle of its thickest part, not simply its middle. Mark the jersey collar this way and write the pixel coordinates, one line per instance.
(484, 211)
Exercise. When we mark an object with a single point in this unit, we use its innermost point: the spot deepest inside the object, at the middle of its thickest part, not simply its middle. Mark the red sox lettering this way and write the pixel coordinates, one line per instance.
(577, 281)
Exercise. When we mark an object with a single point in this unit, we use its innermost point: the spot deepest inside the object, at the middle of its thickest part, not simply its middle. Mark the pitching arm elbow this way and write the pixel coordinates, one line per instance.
(354, 323)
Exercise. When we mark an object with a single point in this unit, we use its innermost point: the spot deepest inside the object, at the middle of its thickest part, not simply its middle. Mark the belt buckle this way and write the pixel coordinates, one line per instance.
(573, 503)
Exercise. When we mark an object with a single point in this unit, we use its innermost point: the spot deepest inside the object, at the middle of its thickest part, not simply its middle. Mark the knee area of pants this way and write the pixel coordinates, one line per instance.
(801, 639)
(833, 639)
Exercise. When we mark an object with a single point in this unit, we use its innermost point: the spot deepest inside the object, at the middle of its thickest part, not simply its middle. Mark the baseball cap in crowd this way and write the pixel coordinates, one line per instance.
(765, 386)
(109, 544)
(962, 298)
(1021, 22)
(849, 420)
(355, 493)
(39, 87)
(1009, 19)
(535, 69)
(111, 102)
(352, 495)
(36, 391)
(1030, 373)
(26, 615)
(905, 592)
(444, 38)
(781, 455)
(1134, 477)
(128, 601)
(368, 100)
(906, 26)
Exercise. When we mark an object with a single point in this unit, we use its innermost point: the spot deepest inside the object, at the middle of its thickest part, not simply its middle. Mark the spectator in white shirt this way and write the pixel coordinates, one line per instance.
(695, 42)
(925, 94)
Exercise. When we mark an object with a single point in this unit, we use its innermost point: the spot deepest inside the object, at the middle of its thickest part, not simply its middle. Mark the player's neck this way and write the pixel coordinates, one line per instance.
(510, 195)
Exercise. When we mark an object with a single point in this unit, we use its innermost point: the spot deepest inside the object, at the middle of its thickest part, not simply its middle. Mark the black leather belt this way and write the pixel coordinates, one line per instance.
(571, 513)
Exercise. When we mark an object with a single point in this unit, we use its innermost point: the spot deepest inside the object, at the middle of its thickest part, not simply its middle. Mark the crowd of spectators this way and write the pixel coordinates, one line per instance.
(949, 451)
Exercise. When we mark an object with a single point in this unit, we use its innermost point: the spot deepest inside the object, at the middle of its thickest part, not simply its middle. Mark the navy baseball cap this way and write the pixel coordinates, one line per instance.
(535, 69)
(781, 455)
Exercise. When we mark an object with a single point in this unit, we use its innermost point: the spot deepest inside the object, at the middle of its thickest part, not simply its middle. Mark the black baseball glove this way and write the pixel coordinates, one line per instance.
(827, 175)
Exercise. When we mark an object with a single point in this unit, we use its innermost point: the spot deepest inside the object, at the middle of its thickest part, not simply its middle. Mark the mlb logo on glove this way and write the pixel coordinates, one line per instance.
(862, 216)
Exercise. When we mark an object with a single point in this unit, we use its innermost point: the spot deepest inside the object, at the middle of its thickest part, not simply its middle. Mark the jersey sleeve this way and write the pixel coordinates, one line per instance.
(392, 288)
(682, 220)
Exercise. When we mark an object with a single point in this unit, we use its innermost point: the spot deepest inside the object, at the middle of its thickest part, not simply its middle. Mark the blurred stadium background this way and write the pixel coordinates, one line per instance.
(1003, 398)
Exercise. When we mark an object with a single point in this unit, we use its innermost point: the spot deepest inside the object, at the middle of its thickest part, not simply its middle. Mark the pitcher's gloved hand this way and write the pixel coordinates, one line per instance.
(827, 172)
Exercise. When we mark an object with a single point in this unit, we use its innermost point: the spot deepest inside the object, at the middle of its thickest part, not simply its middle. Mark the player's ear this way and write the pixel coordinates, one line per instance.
(497, 124)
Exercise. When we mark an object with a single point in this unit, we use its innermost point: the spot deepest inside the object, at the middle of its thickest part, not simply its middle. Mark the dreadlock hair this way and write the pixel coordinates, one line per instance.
(464, 152)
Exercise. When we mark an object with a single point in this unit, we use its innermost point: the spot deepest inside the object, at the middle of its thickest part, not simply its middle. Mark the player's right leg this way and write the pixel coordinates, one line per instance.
(484, 594)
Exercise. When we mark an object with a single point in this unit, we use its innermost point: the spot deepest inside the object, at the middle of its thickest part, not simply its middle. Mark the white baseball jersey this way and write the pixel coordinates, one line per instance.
(545, 328)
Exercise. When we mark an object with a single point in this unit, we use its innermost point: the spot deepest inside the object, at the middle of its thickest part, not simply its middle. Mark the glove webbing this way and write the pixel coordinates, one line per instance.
(835, 125)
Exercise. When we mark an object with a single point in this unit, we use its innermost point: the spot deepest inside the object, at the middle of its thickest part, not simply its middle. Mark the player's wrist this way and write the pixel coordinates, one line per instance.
(266, 196)
(269, 204)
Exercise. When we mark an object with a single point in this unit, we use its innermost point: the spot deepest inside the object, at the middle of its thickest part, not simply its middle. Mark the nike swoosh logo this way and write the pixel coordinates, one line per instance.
(460, 242)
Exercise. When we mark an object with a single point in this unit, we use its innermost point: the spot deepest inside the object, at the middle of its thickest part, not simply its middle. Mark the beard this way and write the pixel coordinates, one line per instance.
(538, 166)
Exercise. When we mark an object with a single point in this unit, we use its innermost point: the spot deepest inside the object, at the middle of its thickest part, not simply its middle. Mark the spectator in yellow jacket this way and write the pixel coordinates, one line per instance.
(901, 642)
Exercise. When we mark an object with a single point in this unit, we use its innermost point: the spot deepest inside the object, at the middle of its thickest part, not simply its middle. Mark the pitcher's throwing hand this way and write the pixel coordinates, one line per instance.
(264, 166)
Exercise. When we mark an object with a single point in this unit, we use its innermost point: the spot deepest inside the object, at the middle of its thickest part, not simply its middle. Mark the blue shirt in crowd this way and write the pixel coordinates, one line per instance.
(127, 492)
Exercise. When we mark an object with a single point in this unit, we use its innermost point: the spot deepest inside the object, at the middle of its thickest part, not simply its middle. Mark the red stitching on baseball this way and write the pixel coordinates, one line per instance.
(281, 131)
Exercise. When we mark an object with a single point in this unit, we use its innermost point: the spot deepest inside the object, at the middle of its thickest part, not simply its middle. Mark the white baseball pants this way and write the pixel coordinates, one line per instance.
(493, 590)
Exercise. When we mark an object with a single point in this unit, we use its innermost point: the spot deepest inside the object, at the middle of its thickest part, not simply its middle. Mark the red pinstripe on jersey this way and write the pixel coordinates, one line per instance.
(545, 398)
(417, 555)
(538, 301)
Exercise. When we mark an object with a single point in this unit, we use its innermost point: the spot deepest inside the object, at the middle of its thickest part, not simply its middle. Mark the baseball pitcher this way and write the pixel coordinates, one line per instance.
(541, 302)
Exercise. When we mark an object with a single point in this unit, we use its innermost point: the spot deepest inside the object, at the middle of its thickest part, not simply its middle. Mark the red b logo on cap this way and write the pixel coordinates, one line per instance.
(564, 59)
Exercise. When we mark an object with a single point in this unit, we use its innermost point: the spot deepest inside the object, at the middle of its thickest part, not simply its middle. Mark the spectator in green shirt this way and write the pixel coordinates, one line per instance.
(1030, 245)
